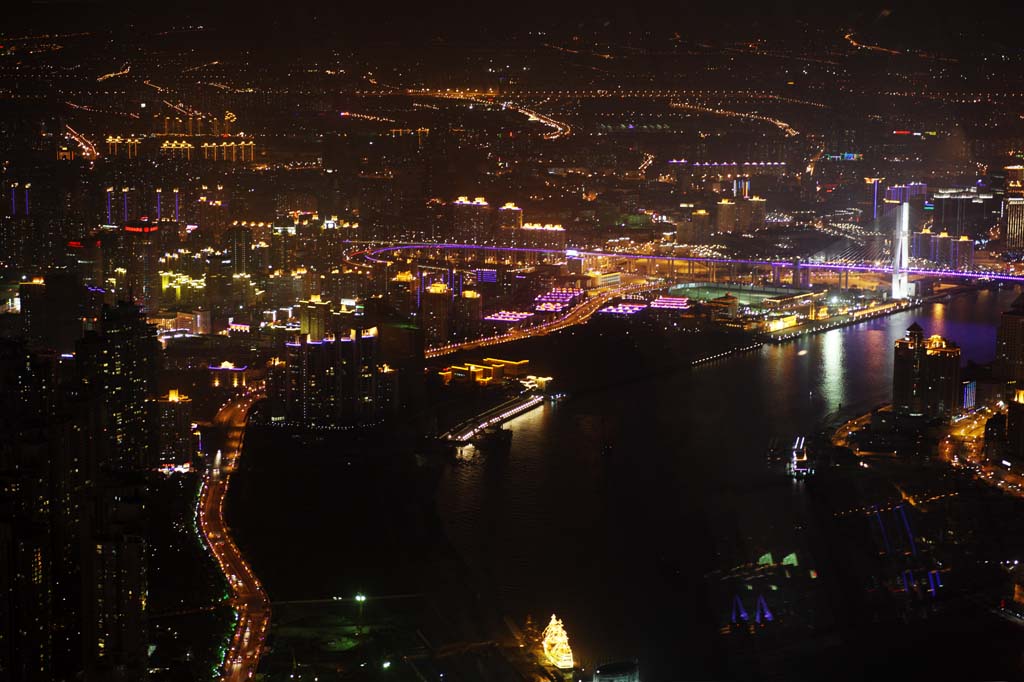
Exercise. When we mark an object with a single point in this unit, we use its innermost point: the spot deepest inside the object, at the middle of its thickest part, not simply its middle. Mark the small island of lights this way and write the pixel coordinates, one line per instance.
(508, 316)
(671, 303)
(623, 309)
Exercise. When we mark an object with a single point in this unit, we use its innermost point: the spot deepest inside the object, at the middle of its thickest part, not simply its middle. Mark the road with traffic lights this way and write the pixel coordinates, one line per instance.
(248, 597)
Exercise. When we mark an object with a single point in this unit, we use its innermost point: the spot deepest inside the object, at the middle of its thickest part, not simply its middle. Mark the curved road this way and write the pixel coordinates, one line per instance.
(577, 315)
(248, 598)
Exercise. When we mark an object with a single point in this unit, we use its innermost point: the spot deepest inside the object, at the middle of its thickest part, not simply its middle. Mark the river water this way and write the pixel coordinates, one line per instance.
(617, 544)
(613, 505)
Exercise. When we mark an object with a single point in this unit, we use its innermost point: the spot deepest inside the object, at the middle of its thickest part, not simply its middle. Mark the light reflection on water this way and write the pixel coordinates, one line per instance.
(617, 542)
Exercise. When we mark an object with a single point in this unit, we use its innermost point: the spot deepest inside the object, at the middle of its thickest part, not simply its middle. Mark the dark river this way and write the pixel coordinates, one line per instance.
(613, 505)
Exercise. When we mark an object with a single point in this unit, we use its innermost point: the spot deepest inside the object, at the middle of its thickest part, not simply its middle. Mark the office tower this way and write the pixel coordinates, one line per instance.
(402, 294)
(283, 246)
(751, 214)
(901, 254)
(1009, 362)
(114, 584)
(139, 254)
(471, 220)
(510, 217)
(467, 315)
(175, 442)
(357, 371)
(52, 438)
(1014, 180)
(921, 244)
(701, 224)
(926, 375)
(18, 231)
(314, 317)
(1014, 224)
(238, 243)
(545, 236)
(332, 381)
(726, 214)
(26, 552)
(435, 314)
(312, 390)
(970, 211)
(904, 193)
(961, 255)
(53, 310)
(943, 248)
(120, 364)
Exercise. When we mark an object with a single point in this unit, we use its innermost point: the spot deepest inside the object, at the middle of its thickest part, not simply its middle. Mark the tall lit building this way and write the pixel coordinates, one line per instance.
(471, 220)
(1014, 180)
(1014, 230)
(402, 293)
(961, 253)
(510, 217)
(726, 214)
(314, 317)
(114, 585)
(467, 315)
(175, 442)
(1009, 363)
(926, 375)
(120, 364)
(435, 314)
(238, 242)
(283, 246)
(336, 380)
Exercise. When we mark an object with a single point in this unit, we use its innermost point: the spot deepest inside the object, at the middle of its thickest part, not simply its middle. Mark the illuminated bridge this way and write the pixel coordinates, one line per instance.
(379, 255)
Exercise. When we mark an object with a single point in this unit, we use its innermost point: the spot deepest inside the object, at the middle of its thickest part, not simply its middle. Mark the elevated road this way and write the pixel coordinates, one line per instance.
(577, 315)
(378, 255)
(249, 600)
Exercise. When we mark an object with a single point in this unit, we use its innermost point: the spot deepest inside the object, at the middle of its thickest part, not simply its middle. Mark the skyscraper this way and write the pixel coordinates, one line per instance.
(1009, 363)
(1014, 229)
(470, 220)
(239, 247)
(436, 313)
(173, 429)
(467, 315)
(926, 375)
(120, 364)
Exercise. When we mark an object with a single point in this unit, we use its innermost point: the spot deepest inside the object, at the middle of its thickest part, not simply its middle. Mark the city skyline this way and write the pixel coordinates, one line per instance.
(578, 342)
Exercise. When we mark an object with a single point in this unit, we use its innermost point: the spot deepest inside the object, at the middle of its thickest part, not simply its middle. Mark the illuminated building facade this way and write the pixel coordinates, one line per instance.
(1009, 362)
(1014, 225)
(120, 362)
(510, 217)
(335, 381)
(176, 443)
(471, 220)
(238, 243)
(314, 318)
(926, 375)
(435, 314)
(467, 315)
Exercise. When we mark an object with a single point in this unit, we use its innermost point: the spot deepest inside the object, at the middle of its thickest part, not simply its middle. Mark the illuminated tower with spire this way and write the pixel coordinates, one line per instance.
(900, 254)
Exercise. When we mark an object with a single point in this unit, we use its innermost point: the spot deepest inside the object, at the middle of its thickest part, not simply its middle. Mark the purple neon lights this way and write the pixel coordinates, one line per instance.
(882, 269)
(671, 303)
(511, 316)
(623, 309)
